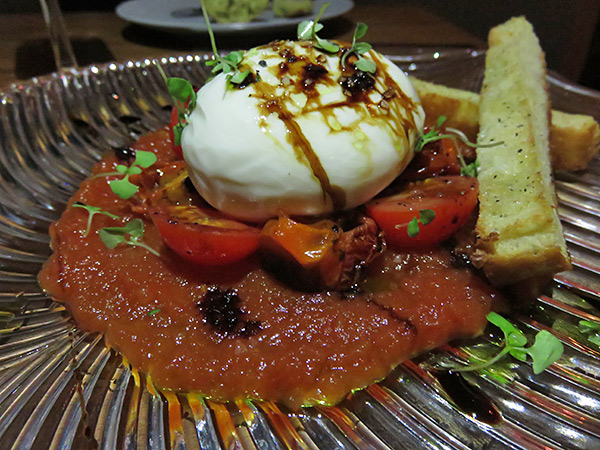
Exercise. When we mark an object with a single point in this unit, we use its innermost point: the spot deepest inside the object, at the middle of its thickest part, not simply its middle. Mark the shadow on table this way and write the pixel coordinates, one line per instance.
(34, 57)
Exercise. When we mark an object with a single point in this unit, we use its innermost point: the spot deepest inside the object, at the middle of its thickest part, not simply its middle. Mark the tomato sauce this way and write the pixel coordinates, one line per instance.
(304, 348)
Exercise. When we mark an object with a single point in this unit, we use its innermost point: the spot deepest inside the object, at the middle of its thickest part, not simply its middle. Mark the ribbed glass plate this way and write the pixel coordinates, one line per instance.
(61, 387)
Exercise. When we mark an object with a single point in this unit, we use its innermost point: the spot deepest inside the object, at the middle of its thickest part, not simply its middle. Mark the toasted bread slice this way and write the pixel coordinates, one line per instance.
(519, 232)
(460, 107)
(574, 138)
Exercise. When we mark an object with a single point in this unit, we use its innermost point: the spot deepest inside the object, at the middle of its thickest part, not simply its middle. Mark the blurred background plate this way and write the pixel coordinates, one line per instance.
(185, 16)
(62, 388)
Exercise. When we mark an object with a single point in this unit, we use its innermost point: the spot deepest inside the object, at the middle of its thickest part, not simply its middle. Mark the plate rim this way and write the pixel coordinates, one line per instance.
(414, 53)
(124, 11)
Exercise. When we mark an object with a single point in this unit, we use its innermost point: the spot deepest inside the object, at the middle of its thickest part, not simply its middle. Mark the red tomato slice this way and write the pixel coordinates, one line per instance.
(174, 121)
(451, 198)
(203, 236)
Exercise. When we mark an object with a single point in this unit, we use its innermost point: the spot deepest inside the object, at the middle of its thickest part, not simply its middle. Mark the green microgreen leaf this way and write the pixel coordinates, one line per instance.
(365, 65)
(135, 228)
(413, 227)
(470, 170)
(308, 29)
(234, 58)
(592, 329)
(184, 97)
(305, 29)
(426, 216)
(431, 136)
(154, 311)
(121, 169)
(359, 31)
(123, 187)
(520, 355)
(360, 48)
(134, 170)
(177, 131)
(181, 90)
(130, 234)
(218, 66)
(594, 339)
(515, 339)
(110, 239)
(587, 326)
(546, 349)
(228, 63)
(92, 211)
(238, 77)
(511, 333)
(143, 159)
(325, 45)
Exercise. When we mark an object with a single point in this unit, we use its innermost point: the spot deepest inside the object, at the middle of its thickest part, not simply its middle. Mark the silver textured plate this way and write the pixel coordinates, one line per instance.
(61, 387)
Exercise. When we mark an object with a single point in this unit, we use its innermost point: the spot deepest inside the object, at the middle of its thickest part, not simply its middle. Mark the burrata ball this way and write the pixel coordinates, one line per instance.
(302, 135)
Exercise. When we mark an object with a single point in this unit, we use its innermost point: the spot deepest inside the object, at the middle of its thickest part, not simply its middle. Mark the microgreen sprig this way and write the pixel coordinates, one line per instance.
(92, 211)
(130, 234)
(435, 134)
(184, 96)
(592, 329)
(546, 349)
(469, 170)
(308, 29)
(123, 187)
(226, 64)
(360, 48)
(426, 216)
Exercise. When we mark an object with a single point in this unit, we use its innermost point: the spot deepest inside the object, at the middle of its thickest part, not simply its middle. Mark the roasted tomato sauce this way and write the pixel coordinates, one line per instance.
(235, 331)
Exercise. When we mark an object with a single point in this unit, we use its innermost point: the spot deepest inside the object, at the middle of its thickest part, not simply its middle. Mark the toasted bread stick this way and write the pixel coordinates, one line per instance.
(574, 138)
(519, 232)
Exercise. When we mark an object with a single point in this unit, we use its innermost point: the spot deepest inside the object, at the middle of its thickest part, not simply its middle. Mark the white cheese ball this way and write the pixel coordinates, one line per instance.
(303, 139)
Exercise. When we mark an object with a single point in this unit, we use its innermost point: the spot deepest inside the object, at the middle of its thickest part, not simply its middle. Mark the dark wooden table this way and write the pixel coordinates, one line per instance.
(102, 36)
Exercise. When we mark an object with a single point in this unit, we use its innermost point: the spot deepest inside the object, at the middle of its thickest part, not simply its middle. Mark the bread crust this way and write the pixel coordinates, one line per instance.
(519, 232)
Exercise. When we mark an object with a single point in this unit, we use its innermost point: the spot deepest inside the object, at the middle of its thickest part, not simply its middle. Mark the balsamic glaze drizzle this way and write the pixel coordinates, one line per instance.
(469, 399)
(300, 74)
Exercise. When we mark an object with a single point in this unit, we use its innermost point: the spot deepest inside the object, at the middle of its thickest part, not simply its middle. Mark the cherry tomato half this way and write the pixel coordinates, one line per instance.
(203, 236)
(451, 198)
(437, 158)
